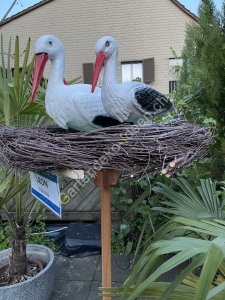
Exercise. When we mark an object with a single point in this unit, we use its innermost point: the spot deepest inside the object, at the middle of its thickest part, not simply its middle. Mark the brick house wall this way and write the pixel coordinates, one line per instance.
(143, 29)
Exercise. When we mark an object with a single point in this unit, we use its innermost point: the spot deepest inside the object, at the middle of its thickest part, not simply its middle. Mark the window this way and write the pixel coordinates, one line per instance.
(131, 71)
(174, 64)
(172, 85)
(143, 71)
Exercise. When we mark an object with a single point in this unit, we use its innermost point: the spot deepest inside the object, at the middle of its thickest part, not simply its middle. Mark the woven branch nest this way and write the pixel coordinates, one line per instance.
(150, 147)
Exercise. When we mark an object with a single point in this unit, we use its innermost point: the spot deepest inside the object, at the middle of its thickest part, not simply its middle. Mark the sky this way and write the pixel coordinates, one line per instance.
(192, 5)
(20, 5)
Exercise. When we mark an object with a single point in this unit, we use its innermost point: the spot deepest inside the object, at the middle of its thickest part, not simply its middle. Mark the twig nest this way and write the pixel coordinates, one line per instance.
(150, 147)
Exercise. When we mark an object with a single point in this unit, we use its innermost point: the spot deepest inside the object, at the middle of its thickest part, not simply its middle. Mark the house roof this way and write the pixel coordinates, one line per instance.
(185, 10)
(35, 6)
(25, 11)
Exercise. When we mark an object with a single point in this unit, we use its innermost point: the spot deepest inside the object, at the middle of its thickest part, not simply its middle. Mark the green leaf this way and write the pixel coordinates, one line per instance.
(129, 247)
(215, 256)
(138, 201)
(188, 203)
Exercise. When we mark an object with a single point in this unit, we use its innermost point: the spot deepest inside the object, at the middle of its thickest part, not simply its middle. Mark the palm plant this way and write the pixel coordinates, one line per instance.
(197, 235)
(209, 254)
(15, 109)
(200, 203)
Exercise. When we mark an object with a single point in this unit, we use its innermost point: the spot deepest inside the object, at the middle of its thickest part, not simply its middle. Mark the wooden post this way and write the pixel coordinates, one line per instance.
(106, 229)
(104, 180)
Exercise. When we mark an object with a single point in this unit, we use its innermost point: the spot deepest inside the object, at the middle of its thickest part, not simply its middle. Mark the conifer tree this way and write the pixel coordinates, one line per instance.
(202, 77)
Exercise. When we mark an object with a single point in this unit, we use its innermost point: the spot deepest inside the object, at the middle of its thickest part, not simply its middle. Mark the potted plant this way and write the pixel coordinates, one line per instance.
(15, 109)
(16, 260)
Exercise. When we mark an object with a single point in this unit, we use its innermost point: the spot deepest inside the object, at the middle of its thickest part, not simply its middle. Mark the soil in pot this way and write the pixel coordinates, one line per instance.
(33, 268)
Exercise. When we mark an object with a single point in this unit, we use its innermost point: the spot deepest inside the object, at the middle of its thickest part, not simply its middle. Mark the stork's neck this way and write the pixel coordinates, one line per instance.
(110, 72)
(57, 70)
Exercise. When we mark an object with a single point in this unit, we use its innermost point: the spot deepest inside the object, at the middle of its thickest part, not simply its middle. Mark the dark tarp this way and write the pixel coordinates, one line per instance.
(79, 239)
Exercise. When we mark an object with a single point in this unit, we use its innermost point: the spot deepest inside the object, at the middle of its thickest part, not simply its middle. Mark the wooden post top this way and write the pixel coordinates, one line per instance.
(109, 178)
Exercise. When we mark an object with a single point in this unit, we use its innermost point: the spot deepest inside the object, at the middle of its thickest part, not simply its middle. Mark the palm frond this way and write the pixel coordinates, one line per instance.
(209, 254)
(200, 204)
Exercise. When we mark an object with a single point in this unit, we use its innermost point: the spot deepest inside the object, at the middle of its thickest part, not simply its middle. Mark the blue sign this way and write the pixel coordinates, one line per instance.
(45, 187)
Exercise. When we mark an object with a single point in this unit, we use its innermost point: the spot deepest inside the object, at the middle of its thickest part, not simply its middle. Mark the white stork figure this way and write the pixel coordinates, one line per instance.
(72, 106)
(127, 101)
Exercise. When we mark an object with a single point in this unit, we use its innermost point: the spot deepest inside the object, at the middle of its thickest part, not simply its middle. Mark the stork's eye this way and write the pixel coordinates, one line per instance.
(107, 43)
(50, 42)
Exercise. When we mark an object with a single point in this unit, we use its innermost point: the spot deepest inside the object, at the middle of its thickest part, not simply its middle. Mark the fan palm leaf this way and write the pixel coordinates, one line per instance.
(199, 203)
(209, 254)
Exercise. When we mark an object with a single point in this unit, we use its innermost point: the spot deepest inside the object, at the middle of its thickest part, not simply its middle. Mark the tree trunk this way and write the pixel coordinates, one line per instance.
(18, 259)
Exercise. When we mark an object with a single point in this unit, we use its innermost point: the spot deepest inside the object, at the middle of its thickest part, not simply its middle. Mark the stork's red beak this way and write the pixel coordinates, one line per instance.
(39, 65)
(100, 59)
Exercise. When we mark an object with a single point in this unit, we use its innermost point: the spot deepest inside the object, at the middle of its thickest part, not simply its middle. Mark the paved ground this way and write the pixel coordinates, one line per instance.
(79, 278)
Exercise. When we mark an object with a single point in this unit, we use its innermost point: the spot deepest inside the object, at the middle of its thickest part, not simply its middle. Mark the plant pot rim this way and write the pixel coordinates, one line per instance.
(29, 247)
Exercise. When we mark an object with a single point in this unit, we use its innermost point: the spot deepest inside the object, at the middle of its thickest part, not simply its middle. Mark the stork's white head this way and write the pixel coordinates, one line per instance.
(46, 47)
(104, 48)
(50, 45)
(107, 44)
